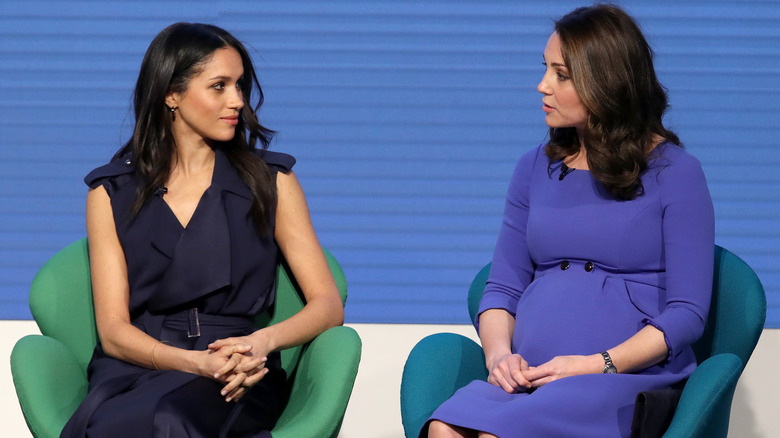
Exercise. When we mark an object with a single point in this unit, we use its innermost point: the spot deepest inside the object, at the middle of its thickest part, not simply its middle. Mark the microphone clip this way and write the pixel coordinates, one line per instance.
(565, 170)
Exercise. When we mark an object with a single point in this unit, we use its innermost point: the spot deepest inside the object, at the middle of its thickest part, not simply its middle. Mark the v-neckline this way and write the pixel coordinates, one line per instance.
(200, 200)
(194, 212)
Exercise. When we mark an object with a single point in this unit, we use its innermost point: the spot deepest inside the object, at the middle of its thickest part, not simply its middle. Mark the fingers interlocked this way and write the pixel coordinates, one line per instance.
(242, 371)
(508, 373)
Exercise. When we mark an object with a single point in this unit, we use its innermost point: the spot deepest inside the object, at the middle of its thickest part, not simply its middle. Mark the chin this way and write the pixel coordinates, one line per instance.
(224, 137)
(559, 125)
(552, 123)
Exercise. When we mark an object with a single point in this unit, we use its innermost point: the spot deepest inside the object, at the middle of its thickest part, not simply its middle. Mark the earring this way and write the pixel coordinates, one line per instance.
(172, 109)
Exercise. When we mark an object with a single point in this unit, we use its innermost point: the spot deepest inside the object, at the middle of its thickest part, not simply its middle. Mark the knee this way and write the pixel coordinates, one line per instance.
(169, 421)
(174, 417)
(440, 429)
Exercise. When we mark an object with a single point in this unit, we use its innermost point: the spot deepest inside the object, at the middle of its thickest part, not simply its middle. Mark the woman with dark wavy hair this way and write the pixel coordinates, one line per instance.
(602, 273)
(185, 226)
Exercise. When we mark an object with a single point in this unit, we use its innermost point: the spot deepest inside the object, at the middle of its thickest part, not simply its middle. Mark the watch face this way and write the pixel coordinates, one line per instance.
(610, 369)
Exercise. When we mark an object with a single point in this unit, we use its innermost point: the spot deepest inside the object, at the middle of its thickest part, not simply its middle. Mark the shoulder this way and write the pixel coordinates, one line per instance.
(675, 163)
(680, 177)
(124, 165)
(529, 163)
(533, 156)
(670, 154)
(278, 161)
(527, 169)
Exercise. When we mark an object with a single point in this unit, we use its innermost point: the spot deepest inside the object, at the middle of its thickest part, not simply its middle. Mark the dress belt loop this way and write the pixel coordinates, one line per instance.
(193, 331)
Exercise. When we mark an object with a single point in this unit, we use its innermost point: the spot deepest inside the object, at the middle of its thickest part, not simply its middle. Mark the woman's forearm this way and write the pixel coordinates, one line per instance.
(316, 316)
(126, 342)
(496, 328)
(645, 349)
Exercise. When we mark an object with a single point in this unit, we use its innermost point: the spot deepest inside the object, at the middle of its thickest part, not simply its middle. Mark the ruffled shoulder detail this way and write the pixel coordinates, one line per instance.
(121, 166)
(277, 160)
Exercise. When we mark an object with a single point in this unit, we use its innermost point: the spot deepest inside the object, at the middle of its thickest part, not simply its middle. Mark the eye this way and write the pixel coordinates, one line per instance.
(562, 77)
(219, 86)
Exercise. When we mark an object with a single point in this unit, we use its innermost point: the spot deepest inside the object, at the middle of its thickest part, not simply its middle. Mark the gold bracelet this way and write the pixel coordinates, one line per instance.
(153, 348)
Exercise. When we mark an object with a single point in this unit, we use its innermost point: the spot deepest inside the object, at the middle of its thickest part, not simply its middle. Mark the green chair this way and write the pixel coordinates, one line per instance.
(735, 322)
(49, 371)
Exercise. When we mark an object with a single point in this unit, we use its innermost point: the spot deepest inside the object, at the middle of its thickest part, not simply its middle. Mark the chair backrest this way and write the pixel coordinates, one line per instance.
(737, 310)
(61, 302)
(476, 289)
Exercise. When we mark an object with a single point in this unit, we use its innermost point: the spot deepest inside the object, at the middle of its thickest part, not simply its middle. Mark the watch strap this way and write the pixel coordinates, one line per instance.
(609, 367)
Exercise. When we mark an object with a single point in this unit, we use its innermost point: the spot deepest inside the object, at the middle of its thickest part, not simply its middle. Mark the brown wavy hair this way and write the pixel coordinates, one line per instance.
(611, 64)
(176, 55)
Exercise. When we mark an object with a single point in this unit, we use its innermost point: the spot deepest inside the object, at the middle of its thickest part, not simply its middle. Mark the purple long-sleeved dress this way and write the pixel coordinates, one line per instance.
(582, 272)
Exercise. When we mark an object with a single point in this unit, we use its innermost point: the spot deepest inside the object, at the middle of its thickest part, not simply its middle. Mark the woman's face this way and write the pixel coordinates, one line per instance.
(209, 108)
(561, 102)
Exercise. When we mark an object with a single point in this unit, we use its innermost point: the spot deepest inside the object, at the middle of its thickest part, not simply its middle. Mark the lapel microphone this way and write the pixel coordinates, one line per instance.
(565, 170)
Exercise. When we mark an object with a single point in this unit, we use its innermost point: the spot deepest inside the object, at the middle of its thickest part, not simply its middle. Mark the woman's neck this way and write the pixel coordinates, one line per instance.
(578, 160)
(192, 160)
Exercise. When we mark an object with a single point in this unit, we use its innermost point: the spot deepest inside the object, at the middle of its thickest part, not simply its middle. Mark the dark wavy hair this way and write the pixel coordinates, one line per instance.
(176, 55)
(611, 64)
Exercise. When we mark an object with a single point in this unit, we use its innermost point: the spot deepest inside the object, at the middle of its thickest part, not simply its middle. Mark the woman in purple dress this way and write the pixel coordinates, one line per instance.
(186, 225)
(602, 272)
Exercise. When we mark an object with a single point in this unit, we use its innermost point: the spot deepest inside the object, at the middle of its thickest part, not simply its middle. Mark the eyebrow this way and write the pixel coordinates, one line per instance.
(224, 78)
(554, 64)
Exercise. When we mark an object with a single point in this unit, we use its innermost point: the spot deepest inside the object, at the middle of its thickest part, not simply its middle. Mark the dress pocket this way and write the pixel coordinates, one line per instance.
(647, 298)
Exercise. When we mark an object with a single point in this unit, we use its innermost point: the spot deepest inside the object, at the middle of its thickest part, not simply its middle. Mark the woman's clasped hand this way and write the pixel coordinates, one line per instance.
(509, 372)
(243, 366)
(513, 374)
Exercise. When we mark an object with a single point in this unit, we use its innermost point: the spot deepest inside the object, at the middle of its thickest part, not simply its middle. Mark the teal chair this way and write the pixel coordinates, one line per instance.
(49, 371)
(735, 322)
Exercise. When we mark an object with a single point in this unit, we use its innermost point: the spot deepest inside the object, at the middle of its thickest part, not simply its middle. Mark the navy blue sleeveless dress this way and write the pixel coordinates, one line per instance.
(189, 286)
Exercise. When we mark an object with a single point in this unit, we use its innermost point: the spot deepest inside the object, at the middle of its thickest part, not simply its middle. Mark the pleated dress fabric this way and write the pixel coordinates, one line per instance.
(188, 286)
(582, 272)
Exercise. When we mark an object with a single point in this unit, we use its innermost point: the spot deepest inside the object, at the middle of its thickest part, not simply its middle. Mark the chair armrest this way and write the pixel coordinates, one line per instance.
(321, 386)
(705, 404)
(49, 382)
(437, 366)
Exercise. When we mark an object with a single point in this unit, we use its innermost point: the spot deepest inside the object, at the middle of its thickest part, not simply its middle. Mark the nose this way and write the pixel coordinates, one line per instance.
(543, 86)
(236, 100)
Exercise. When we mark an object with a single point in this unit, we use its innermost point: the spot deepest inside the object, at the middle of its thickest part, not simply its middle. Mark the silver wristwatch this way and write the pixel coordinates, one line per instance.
(609, 367)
